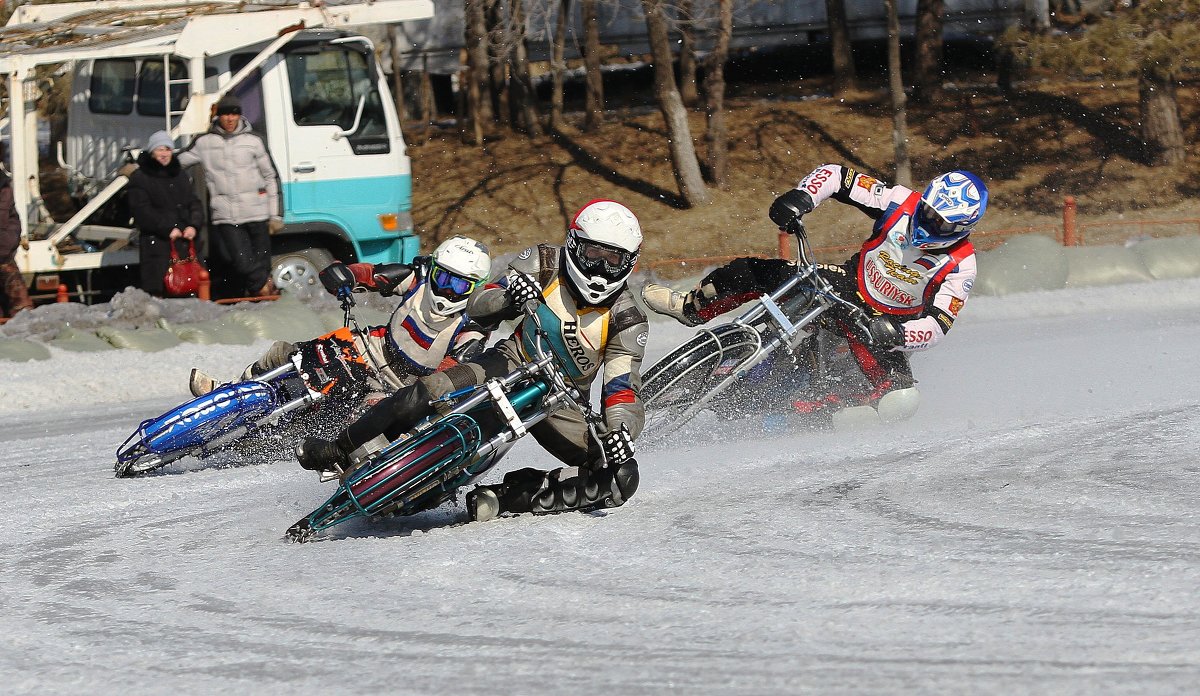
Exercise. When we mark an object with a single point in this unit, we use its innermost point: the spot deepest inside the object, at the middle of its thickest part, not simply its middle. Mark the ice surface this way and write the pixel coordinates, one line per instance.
(1033, 529)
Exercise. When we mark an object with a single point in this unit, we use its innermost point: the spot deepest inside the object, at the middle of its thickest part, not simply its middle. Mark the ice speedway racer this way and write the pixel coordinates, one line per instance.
(307, 82)
(765, 359)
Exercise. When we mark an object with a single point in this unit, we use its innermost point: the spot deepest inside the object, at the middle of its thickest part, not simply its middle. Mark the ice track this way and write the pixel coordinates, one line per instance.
(1033, 530)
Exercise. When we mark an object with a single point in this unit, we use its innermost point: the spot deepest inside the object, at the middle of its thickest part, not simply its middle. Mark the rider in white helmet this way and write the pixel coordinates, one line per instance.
(593, 324)
(428, 327)
(912, 275)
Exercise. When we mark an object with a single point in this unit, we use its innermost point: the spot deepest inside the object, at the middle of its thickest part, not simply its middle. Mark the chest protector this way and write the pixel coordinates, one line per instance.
(900, 280)
(577, 335)
(420, 338)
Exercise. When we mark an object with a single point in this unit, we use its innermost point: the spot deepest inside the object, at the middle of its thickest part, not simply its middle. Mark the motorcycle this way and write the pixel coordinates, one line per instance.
(447, 452)
(324, 381)
(780, 344)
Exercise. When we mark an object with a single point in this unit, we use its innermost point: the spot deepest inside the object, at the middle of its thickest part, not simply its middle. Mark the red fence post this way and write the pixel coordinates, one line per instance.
(1069, 229)
(785, 246)
(62, 295)
(205, 291)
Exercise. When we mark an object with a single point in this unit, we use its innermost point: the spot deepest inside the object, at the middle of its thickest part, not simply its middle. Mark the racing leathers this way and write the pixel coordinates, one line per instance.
(607, 340)
(416, 341)
(922, 290)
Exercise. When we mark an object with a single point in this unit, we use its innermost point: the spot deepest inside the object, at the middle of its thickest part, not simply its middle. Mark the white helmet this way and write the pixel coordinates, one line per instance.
(458, 266)
(602, 247)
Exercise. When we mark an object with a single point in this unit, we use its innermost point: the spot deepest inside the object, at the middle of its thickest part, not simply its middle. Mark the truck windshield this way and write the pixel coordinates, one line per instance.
(327, 85)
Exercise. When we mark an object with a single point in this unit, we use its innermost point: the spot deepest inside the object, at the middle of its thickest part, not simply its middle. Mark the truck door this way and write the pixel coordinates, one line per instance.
(341, 168)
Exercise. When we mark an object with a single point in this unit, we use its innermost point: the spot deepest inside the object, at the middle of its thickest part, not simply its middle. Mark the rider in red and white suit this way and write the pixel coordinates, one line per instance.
(912, 275)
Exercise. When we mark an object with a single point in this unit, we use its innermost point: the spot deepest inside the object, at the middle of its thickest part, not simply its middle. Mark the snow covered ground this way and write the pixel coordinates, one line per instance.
(1034, 529)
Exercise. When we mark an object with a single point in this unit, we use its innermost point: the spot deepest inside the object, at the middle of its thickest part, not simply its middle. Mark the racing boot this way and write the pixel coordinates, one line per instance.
(316, 454)
(664, 300)
(577, 488)
(200, 383)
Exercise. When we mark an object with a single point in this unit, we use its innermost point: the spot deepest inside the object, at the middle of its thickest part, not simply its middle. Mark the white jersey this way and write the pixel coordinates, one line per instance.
(894, 277)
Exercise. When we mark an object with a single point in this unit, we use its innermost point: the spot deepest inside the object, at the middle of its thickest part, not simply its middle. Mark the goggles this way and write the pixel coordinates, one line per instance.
(932, 227)
(451, 285)
(598, 259)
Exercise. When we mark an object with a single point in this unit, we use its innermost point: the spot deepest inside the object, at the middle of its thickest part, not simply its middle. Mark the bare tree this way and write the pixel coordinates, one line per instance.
(558, 64)
(687, 53)
(524, 97)
(480, 109)
(927, 69)
(844, 77)
(594, 97)
(397, 80)
(899, 107)
(717, 135)
(683, 151)
(498, 50)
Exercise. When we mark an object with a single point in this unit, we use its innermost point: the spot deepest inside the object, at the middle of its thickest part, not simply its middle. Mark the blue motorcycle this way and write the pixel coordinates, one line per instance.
(444, 453)
(323, 382)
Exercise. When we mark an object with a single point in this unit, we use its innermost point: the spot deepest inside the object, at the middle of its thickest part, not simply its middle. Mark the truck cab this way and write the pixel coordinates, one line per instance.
(310, 86)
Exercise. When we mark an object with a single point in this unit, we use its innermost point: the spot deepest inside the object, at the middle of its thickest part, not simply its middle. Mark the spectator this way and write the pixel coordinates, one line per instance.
(14, 294)
(243, 189)
(165, 209)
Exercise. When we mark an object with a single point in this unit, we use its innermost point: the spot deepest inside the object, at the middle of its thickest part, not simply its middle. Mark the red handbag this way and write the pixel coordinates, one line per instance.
(183, 275)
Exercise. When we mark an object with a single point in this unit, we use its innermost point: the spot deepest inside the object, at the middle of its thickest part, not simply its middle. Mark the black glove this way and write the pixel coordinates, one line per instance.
(522, 289)
(617, 445)
(337, 278)
(883, 332)
(787, 210)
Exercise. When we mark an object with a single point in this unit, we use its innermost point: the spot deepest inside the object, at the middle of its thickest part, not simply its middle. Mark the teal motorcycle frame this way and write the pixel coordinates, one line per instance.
(447, 452)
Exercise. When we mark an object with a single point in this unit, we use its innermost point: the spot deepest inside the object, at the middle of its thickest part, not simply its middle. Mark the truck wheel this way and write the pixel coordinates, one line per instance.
(297, 271)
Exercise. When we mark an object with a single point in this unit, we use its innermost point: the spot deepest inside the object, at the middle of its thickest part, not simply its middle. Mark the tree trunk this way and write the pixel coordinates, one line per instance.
(687, 54)
(558, 64)
(683, 151)
(498, 48)
(1037, 14)
(402, 110)
(1162, 131)
(845, 78)
(927, 70)
(896, 87)
(476, 74)
(717, 136)
(523, 93)
(594, 99)
(425, 107)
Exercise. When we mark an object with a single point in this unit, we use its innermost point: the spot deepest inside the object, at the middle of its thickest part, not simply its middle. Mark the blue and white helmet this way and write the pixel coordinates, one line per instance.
(949, 209)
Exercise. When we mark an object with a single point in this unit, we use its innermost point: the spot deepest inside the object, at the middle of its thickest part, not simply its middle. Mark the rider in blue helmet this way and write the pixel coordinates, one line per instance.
(912, 275)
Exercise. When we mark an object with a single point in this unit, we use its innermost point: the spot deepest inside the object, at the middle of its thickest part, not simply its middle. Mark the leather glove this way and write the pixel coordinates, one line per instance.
(337, 278)
(275, 225)
(787, 210)
(886, 333)
(127, 169)
(522, 289)
(617, 445)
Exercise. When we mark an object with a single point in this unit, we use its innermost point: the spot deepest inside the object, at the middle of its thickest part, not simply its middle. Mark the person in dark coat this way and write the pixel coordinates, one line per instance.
(14, 293)
(165, 209)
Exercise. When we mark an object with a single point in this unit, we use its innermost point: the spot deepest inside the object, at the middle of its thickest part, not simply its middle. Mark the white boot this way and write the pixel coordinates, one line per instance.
(664, 300)
(200, 383)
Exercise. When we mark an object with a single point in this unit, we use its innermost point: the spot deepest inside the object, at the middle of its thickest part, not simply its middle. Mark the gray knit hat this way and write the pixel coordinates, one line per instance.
(159, 139)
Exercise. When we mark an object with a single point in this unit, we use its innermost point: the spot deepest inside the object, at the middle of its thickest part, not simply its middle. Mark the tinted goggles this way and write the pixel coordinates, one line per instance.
(451, 285)
(602, 260)
(938, 227)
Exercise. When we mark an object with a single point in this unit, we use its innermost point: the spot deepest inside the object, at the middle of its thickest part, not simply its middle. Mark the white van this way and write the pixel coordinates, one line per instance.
(314, 91)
